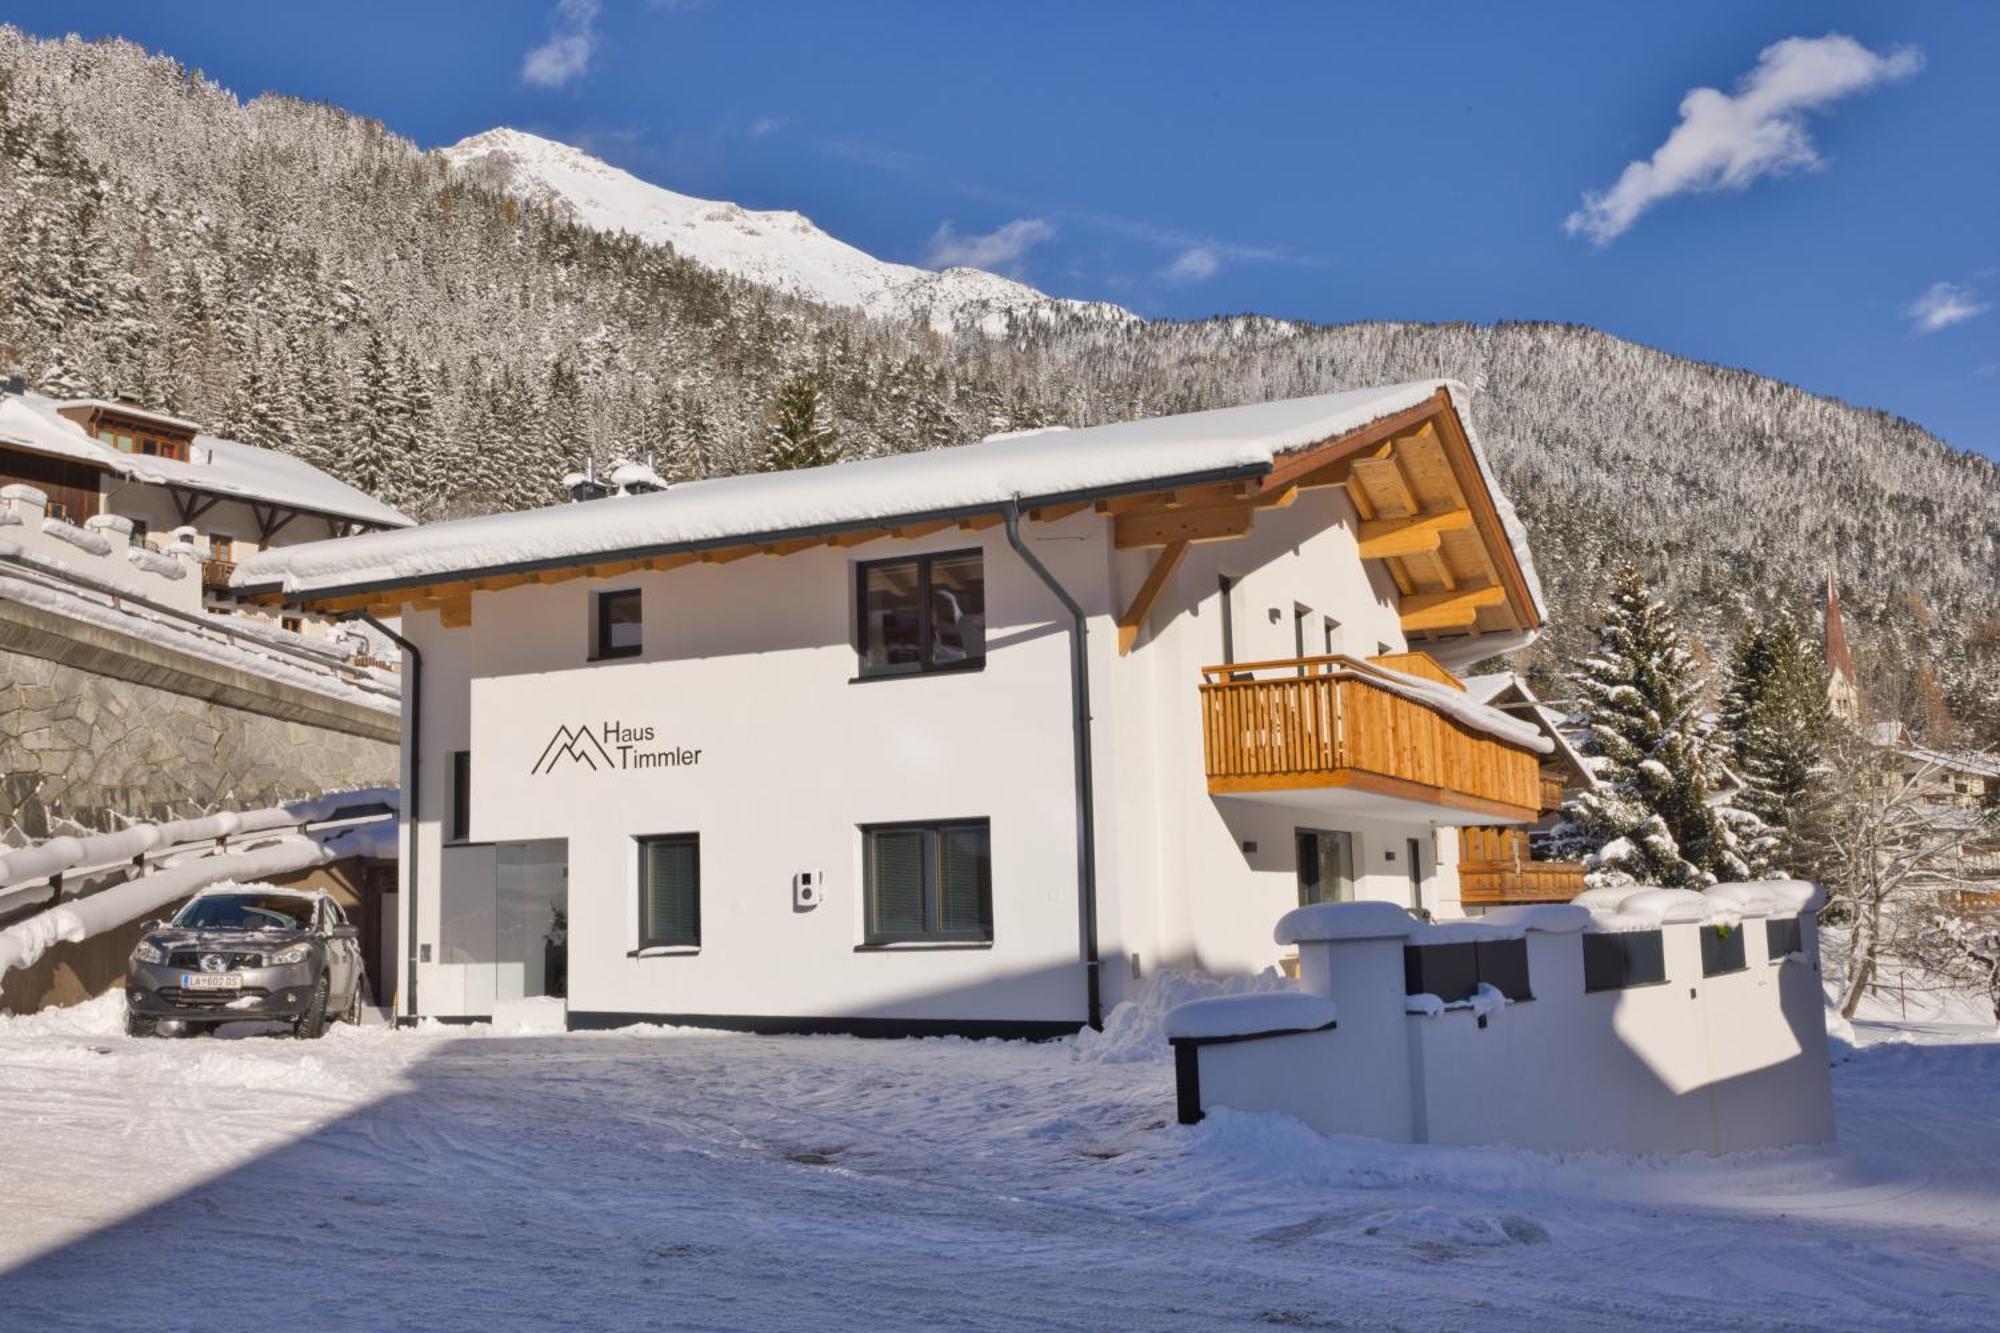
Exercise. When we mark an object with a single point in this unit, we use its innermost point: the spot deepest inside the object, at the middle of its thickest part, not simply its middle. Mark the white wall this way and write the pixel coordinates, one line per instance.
(752, 663)
(1693, 1063)
(98, 552)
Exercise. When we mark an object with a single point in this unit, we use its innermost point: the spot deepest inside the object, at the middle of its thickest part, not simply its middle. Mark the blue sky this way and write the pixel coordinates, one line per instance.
(1827, 215)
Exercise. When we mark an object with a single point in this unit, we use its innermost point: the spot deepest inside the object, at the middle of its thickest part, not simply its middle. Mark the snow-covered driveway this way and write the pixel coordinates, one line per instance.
(460, 1179)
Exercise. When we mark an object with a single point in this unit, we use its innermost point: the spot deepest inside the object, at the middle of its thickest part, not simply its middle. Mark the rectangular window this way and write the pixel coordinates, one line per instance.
(670, 891)
(925, 613)
(138, 532)
(1721, 950)
(1453, 972)
(1617, 960)
(292, 623)
(461, 795)
(930, 883)
(1783, 936)
(618, 624)
(1325, 866)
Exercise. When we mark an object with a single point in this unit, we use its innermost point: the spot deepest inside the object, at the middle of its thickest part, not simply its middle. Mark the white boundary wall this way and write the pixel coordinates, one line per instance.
(1690, 1063)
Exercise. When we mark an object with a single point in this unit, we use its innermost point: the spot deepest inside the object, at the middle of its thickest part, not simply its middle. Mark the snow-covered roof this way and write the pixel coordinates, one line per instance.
(218, 466)
(1036, 467)
(1485, 689)
(130, 410)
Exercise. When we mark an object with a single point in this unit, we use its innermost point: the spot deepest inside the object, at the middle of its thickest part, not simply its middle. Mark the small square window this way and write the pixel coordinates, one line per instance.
(670, 891)
(925, 613)
(618, 624)
(1783, 936)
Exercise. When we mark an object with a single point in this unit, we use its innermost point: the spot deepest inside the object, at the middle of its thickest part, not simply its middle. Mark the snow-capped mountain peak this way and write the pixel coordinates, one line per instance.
(778, 248)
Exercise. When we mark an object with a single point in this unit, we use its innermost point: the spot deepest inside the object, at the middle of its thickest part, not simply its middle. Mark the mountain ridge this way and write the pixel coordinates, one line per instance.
(779, 248)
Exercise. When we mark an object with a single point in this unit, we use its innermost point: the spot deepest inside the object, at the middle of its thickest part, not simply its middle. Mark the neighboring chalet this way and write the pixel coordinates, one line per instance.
(1497, 865)
(146, 481)
(960, 741)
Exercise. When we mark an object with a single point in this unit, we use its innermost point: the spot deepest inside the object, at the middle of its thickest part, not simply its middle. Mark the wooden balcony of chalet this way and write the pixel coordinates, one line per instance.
(215, 572)
(1497, 869)
(1337, 728)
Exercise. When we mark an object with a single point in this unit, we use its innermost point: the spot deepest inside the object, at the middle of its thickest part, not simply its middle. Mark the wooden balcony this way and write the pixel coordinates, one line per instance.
(215, 572)
(1498, 883)
(1553, 792)
(1336, 723)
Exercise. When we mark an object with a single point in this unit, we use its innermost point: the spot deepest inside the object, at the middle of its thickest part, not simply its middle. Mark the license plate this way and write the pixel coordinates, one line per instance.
(210, 981)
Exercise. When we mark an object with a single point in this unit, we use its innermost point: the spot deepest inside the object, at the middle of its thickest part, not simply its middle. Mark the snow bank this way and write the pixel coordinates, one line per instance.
(1344, 921)
(1136, 1029)
(1248, 1015)
(1637, 907)
(153, 562)
(77, 537)
(1553, 918)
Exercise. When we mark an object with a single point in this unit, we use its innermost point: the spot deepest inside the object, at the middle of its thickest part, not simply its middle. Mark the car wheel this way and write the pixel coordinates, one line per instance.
(312, 1023)
(353, 1015)
(138, 1025)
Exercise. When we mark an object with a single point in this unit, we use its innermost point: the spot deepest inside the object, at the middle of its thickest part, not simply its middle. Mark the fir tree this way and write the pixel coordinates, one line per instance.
(1775, 716)
(1654, 816)
(797, 435)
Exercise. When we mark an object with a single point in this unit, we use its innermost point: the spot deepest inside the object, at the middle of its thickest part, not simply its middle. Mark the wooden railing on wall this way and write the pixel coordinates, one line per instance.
(1332, 721)
(1486, 883)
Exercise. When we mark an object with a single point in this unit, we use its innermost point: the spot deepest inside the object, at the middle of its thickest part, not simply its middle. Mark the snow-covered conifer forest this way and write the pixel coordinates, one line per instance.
(295, 276)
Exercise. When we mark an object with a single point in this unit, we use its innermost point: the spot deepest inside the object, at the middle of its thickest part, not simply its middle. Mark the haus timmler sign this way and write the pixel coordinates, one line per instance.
(610, 747)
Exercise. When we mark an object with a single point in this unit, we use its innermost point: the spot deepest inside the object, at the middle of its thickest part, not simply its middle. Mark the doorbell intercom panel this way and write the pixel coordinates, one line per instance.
(808, 887)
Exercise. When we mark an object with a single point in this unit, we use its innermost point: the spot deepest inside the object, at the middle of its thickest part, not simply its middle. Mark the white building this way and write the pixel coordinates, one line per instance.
(958, 741)
(99, 483)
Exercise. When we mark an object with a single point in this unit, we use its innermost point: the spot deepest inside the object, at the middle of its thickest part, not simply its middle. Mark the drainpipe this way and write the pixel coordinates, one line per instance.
(1086, 817)
(408, 800)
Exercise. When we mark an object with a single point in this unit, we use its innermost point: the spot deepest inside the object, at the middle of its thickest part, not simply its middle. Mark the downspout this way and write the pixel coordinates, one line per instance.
(1086, 816)
(408, 799)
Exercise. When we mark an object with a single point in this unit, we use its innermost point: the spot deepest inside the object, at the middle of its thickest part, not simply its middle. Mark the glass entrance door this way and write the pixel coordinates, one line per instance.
(531, 919)
(1325, 866)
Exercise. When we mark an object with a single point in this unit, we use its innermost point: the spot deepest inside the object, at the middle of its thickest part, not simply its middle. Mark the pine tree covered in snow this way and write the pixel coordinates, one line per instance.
(1658, 814)
(1776, 720)
(799, 435)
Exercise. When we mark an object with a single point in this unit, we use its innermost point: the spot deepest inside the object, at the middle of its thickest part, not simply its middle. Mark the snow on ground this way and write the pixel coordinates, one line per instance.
(651, 1178)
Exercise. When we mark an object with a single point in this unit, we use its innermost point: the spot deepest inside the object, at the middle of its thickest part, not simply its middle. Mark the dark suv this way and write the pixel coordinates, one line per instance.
(235, 954)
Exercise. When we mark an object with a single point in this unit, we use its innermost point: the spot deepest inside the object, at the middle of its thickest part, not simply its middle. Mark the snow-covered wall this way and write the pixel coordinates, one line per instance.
(1720, 1062)
(101, 550)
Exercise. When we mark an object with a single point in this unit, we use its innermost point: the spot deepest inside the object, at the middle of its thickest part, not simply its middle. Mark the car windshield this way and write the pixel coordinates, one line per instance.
(246, 911)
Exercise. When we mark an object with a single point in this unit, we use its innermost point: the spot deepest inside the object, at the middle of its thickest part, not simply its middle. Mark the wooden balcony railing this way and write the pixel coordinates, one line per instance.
(1552, 793)
(1493, 883)
(1322, 722)
(215, 572)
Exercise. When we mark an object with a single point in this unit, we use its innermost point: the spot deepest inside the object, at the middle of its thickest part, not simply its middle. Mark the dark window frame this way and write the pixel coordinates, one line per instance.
(1454, 971)
(602, 649)
(1722, 953)
(1640, 958)
(647, 941)
(923, 666)
(1786, 931)
(461, 796)
(933, 933)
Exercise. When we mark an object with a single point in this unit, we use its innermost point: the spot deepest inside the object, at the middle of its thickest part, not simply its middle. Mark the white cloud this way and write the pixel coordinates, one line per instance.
(1942, 305)
(993, 250)
(1726, 141)
(764, 125)
(1194, 264)
(567, 53)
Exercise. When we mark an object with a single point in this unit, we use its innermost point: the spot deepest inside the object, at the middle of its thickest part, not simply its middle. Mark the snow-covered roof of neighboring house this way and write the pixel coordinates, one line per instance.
(247, 472)
(1036, 467)
(131, 410)
(228, 467)
(1970, 762)
(1506, 691)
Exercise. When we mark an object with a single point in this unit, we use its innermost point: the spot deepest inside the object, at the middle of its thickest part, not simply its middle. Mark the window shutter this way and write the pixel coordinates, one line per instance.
(670, 894)
(965, 895)
(898, 871)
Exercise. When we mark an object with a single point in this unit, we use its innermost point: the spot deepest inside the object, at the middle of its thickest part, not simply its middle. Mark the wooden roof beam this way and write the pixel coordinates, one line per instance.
(1135, 616)
(1055, 513)
(1449, 610)
(1388, 486)
(1144, 528)
(1384, 539)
